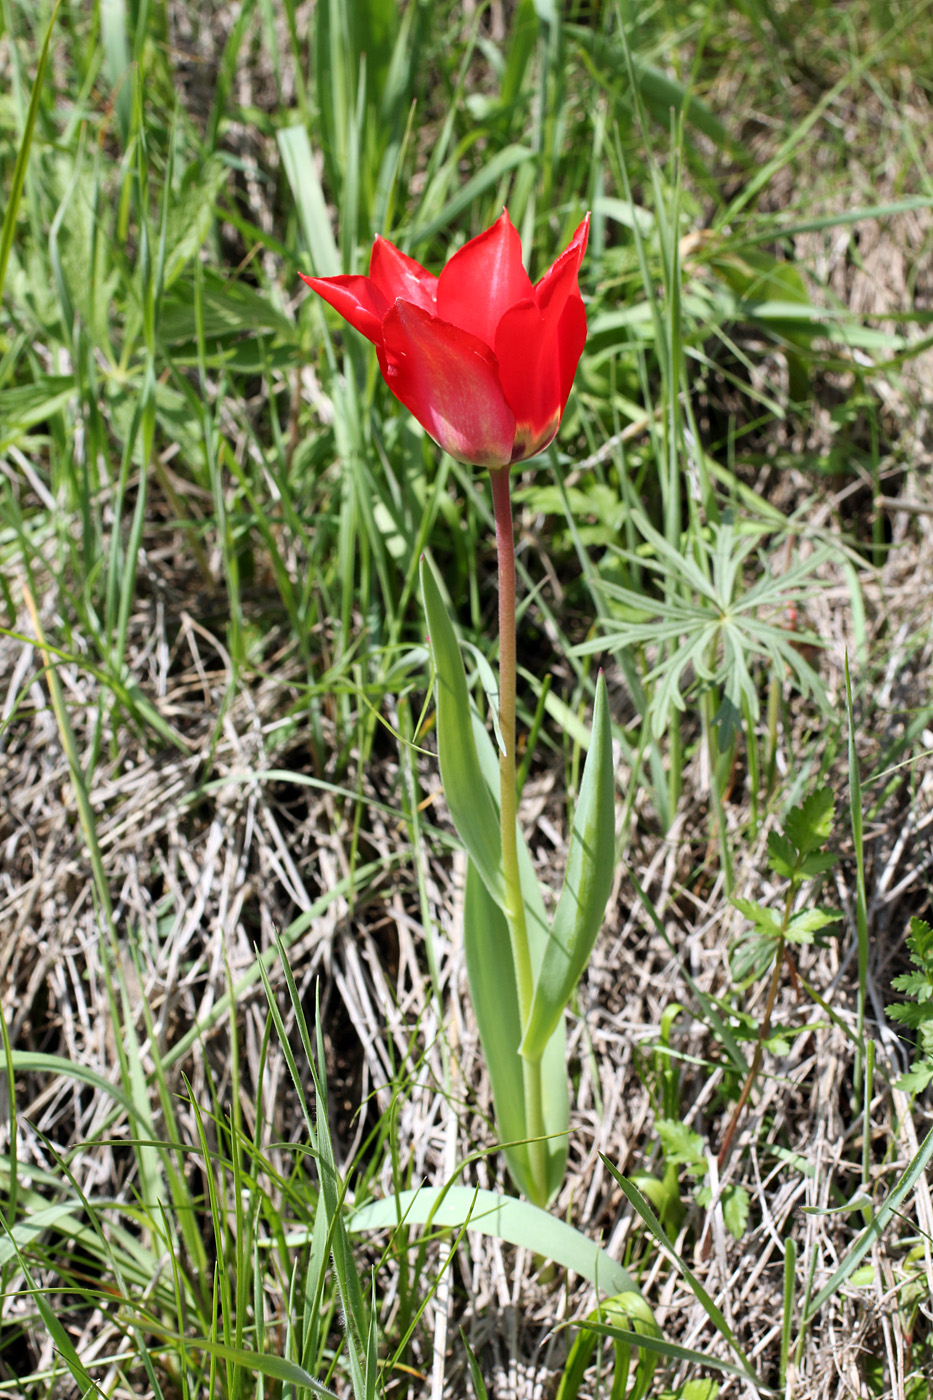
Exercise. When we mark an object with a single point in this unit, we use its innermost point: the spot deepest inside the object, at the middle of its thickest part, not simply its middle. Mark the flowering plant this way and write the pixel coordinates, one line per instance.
(482, 358)
(485, 360)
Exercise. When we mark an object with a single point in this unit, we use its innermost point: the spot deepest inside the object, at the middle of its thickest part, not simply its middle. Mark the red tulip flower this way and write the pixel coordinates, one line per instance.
(483, 358)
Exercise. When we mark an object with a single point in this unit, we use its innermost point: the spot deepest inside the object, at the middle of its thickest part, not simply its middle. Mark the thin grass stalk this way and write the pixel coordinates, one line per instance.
(718, 810)
(861, 902)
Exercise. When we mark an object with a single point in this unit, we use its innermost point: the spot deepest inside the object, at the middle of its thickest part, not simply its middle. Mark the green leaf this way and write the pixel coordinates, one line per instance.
(735, 1204)
(472, 808)
(920, 941)
(875, 1229)
(712, 1310)
(494, 993)
(498, 1217)
(807, 922)
(916, 1079)
(816, 863)
(275, 1367)
(587, 886)
(681, 1146)
(914, 984)
(494, 999)
(909, 1013)
(695, 1390)
(8, 230)
(626, 1311)
(302, 174)
(810, 824)
(764, 920)
(781, 855)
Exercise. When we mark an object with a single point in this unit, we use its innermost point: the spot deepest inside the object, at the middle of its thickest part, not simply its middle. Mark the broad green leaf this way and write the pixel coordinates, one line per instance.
(471, 806)
(735, 1206)
(587, 886)
(499, 1217)
(494, 994)
(816, 863)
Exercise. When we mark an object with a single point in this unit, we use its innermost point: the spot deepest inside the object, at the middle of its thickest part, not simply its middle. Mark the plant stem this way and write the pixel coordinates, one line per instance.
(508, 805)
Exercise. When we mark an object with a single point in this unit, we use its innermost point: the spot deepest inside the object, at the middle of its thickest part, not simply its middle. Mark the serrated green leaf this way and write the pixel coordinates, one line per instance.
(912, 983)
(803, 925)
(816, 863)
(781, 855)
(682, 1146)
(762, 917)
(809, 825)
(735, 1204)
(920, 939)
(587, 886)
(911, 1013)
(917, 1078)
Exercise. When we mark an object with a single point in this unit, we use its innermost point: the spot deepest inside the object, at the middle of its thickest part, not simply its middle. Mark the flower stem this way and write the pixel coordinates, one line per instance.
(508, 803)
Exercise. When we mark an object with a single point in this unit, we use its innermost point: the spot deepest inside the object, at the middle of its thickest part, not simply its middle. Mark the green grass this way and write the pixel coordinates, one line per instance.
(228, 900)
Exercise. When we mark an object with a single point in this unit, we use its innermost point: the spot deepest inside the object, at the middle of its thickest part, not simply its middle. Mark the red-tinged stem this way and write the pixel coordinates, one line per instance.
(508, 803)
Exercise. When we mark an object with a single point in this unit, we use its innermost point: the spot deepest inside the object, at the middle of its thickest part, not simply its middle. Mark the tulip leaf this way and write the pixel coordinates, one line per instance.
(471, 804)
(494, 993)
(498, 1217)
(587, 886)
(470, 774)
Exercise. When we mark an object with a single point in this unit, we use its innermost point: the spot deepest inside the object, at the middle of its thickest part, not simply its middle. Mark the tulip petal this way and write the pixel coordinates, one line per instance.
(482, 280)
(529, 371)
(560, 280)
(398, 275)
(571, 338)
(357, 299)
(449, 380)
